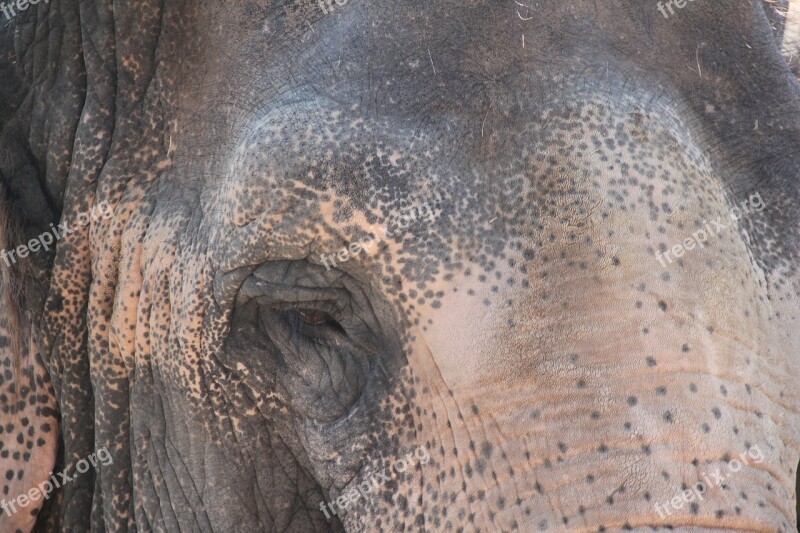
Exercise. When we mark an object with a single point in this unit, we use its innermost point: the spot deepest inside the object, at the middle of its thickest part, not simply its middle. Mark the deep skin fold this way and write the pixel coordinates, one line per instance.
(216, 171)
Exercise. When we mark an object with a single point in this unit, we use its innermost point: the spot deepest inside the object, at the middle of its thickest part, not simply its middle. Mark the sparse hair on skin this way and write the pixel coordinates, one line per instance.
(10, 293)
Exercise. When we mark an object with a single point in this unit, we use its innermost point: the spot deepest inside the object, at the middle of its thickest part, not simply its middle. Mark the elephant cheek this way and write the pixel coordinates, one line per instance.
(599, 374)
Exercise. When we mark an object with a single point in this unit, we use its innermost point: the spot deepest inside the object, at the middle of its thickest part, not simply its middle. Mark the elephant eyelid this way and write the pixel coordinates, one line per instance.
(308, 307)
(265, 292)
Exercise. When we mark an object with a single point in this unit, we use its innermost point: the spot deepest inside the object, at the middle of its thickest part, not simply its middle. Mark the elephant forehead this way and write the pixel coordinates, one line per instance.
(310, 178)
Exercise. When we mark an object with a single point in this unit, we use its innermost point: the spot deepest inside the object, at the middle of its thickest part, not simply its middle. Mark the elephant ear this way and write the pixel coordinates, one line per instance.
(28, 415)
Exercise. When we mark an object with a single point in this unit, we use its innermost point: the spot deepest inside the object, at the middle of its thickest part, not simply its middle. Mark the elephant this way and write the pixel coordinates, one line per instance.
(474, 265)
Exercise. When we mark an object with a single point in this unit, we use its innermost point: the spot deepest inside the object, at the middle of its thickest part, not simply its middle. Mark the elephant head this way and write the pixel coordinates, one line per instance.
(300, 265)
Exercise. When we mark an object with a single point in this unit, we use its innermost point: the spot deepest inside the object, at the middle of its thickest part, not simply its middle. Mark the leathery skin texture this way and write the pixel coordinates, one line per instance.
(426, 266)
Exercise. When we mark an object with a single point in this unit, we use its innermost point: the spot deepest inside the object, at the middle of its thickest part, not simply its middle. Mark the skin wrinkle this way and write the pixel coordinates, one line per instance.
(207, 522)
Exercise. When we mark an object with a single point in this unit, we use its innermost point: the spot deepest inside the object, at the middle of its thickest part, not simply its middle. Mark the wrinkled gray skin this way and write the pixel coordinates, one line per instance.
(520, 337)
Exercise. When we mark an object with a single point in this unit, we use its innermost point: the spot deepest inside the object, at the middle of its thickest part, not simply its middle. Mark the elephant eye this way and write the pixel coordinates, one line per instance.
(313, 317)
(313, 323)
